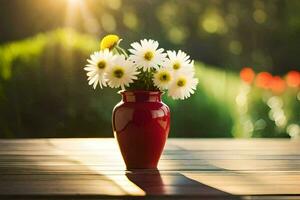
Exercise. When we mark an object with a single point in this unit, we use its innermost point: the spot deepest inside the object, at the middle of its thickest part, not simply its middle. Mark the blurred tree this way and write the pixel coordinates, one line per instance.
(224, 33)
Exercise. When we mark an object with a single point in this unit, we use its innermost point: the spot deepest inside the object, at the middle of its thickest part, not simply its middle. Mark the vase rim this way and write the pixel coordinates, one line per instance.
(140, 92)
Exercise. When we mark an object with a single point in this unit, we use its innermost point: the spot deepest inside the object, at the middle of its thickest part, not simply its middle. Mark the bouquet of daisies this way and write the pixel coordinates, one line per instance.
(146, 67)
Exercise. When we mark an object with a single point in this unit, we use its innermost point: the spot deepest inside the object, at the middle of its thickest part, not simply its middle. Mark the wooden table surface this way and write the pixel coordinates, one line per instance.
(188, 169)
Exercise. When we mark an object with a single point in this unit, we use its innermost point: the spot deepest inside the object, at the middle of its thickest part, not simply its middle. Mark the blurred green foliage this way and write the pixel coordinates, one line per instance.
(44, 93)
(265, 114)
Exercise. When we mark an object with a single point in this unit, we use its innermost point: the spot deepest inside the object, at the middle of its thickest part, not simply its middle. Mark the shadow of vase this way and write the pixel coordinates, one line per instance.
(153, 183)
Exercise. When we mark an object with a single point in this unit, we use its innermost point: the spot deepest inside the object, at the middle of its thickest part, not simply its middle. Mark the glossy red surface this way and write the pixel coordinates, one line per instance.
(141, 124)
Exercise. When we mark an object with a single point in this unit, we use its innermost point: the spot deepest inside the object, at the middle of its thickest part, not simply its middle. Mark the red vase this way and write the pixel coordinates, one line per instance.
(141, 124)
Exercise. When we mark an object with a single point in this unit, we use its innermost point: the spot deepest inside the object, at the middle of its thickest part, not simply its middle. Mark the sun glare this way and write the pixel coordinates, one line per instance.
(75, 2)
(78, 9)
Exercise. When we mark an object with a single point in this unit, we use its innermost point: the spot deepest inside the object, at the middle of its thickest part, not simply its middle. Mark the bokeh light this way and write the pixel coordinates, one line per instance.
(293, 79)
(247, 74)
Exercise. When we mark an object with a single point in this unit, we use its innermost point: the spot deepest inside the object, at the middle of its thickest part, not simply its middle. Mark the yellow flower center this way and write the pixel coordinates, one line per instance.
(101, 64)
(148, 55)
(181, 82)
(164, 77)
(176, 65)
(109, 42)
(119, 72)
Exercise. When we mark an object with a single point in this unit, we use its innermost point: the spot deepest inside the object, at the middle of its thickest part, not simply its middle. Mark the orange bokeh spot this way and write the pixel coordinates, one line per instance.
(277, 84)
(247, 75)
(293, 79)
(263, 80)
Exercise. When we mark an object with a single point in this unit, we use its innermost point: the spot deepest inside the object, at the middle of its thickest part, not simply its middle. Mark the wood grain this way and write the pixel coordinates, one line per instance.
(188, 169)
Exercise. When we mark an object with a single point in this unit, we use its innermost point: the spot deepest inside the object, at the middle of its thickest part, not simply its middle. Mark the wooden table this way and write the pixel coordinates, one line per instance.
(189, 169)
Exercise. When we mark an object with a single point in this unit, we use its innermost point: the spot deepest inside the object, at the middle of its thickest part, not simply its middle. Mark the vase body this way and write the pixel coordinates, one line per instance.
(141, 124)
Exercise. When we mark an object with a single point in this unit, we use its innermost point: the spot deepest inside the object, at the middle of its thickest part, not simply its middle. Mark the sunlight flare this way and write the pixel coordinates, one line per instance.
(76, 9)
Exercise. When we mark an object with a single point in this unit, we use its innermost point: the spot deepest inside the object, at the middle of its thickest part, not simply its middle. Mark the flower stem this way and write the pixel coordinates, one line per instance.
(120, 49)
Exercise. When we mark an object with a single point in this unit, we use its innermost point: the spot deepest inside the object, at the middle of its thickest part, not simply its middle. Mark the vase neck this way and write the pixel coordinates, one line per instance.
(141, 96)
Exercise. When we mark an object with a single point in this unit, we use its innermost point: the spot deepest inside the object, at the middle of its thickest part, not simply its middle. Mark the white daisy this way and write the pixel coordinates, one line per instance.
(162, 78)
(97, 65)
(179, 62)
(182, 86)
(146, 54)
(122, 73)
